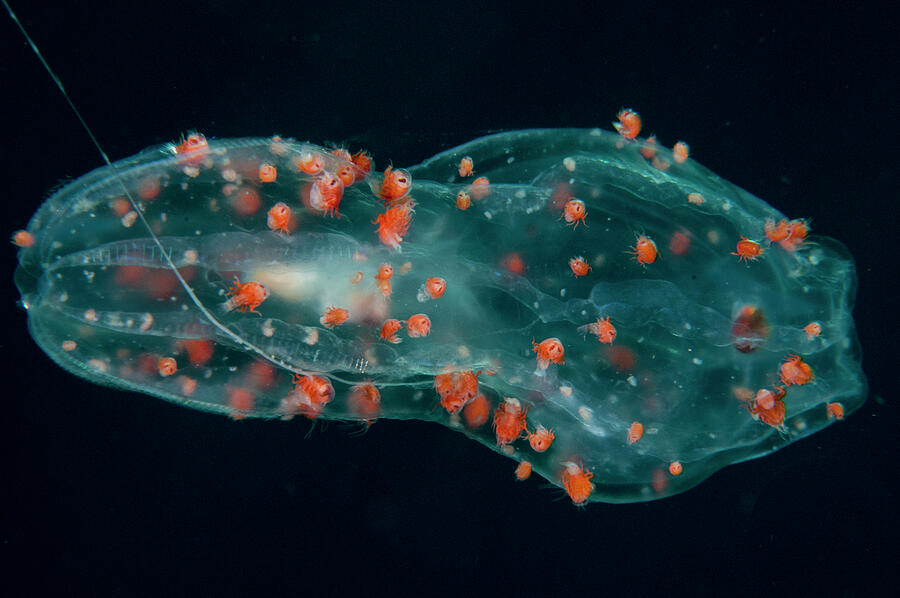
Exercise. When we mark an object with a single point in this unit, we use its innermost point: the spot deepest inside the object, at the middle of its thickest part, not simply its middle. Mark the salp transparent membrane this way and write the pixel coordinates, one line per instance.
(103, 301)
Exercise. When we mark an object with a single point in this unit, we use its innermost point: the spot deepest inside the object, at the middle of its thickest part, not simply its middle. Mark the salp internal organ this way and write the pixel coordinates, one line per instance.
(621, 319)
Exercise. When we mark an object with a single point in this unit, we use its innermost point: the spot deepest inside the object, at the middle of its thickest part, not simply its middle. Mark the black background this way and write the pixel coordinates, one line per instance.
(112, 492)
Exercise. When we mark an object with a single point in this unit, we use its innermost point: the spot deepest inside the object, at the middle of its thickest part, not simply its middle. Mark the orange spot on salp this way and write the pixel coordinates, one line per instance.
(477, 412)
(23, 238)
(835, 411)
(365, 402)
(680, 152)
(245, 202)
(635, 432)
(418, 325)
(795, 371)
(750, 329)
(463, 200)
(149, 188)
(696, 199)
(629, 125)
(267, 173)
(549, 350)
(658, 481)
(649, 147)
(523, 471)
(578, 266)
(748, 250)
(466, 167)
(188, 385)
(513, 262)
(120, 206)
(199, 351)
(260, 375)
(510, 420)
(675, 468)
(241, 401)
(577, 482)
(561, 194)
(480, 188)
(334, 316)
(679, 244)
(621, 358)
(166, 366)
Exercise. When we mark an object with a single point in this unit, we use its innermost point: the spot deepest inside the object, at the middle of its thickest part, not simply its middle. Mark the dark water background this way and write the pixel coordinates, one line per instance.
(118, 493)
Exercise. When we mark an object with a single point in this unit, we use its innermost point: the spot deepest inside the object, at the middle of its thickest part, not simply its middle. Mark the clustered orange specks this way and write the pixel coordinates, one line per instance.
(644, 250)
(574, 212)
(579, 266)
(629, 125)
(747, 250)
(577, 482)
(247, 296)
(334, 316)
(509, 420)
(456, 389)
(549, 350)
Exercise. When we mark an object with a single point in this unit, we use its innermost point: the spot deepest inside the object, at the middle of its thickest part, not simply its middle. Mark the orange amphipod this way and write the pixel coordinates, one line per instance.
(795, 371)
(748, 250)
(326, 193)
(193, 142)
(635, 432)
(523, 471)
(644, 250)
(389, 331)
(394, 224)
(629, 125)
(363, 162)
(680, 152)
(834, 411)
(435, 287)
(812, 330)
(575, 212)
(797, 231)
(603, 329)
(334, 316)
(395, 185)
(456, 389)
(463, 200)
(548, 350)
(579, 266)
(383, 278)
(675, 468)
(466, 167)
(777, 232)
(364, 401)
(166, 366)
(541, 439)
(480, 188)
(577, 482)
(247, 296)
(267, 173)
(477, 412)
(418, 325)
(23, 238)
(509, 421)
(768, 407)
(279, 218)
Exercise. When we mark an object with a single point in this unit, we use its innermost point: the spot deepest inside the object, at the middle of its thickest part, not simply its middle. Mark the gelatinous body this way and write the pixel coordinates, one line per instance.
(697, 333)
